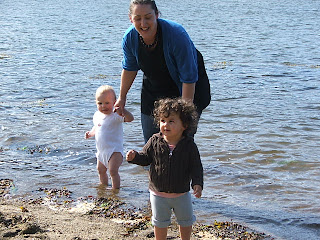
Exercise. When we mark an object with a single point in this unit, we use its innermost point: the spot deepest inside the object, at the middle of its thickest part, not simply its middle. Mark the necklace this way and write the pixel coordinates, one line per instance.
(149, 45)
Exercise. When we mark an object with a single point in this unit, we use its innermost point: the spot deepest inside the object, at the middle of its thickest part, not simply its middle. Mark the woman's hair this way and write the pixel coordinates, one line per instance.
(186, 110)
(152, 3)
(104, 88)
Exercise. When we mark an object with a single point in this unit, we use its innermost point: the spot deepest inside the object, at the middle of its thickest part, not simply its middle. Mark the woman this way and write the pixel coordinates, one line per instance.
(163, 50)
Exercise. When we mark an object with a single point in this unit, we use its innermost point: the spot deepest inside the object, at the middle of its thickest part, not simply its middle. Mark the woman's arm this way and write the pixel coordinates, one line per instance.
(188, 90)
(181, 57)
(127, 78)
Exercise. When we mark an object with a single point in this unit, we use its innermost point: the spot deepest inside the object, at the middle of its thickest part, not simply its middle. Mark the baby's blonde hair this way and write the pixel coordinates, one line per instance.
(105, 88)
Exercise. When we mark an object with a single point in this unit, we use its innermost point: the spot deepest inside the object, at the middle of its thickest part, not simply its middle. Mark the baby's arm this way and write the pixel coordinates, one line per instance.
(90, 134)
(131, 155)
(128, 117)
(197, 191)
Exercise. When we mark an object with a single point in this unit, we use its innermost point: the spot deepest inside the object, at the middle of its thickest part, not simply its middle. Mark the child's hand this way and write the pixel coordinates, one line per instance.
(87, 135)
(197, 191)
(131, 155)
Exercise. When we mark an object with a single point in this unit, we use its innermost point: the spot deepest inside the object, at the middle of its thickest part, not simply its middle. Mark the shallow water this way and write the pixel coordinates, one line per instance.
(259, 138)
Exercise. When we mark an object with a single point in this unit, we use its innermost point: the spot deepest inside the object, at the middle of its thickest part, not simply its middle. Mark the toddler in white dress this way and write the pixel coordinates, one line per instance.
(108, 133)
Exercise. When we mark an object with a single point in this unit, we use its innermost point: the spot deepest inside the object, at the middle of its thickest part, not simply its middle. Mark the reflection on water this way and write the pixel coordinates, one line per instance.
(258, 139)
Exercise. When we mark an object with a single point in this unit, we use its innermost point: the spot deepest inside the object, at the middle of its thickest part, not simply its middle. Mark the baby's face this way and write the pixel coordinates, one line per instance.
(105, 102)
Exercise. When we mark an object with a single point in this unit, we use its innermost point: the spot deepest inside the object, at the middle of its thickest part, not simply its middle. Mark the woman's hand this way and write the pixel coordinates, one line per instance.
(119, 107)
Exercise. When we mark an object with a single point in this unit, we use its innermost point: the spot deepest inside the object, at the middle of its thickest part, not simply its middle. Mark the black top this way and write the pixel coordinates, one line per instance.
(171, 173)
(157, 82)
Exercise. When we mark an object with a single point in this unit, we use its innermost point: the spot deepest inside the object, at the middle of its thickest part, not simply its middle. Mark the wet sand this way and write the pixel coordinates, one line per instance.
(55, 215)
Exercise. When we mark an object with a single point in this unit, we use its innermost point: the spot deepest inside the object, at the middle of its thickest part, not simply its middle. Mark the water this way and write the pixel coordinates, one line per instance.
(259, 138)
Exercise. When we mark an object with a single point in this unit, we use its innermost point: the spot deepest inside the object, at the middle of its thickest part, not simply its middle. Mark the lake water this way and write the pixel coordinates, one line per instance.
(259, 138)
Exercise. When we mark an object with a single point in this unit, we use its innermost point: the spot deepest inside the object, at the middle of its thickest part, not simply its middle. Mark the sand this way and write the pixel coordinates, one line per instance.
(55, 215)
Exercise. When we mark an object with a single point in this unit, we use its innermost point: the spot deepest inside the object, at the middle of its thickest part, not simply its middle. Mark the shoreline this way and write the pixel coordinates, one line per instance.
(56, 215)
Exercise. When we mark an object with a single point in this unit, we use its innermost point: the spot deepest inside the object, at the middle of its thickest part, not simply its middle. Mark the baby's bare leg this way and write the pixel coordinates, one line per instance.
(102, 170)
(114, 165)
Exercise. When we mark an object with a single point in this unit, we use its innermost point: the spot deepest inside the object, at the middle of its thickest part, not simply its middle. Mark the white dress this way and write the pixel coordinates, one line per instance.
(108, 135)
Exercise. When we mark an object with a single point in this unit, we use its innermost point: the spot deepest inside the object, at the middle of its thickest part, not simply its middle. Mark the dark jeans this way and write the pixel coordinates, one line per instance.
(148, 126)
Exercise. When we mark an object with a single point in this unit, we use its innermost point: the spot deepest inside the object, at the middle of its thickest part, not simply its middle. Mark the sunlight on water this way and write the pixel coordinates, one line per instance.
(258, 139)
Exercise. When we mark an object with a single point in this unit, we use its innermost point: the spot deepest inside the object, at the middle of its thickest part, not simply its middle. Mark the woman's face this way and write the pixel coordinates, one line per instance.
(144, 20)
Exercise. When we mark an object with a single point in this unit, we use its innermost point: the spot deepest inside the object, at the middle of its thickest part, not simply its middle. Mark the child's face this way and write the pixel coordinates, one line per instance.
(171, 126)
(105, 102)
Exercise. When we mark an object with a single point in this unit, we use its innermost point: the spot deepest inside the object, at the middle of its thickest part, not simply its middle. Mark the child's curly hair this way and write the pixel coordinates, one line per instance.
(185, 109)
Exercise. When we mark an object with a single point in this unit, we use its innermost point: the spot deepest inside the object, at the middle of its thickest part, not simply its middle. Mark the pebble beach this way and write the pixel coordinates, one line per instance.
(56, 215)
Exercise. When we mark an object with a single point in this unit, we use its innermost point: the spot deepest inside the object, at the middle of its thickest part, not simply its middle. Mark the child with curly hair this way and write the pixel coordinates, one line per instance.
(174, 162)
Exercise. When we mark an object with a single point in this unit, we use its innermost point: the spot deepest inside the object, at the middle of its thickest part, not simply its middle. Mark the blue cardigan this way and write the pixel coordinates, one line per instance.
(179, 52)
